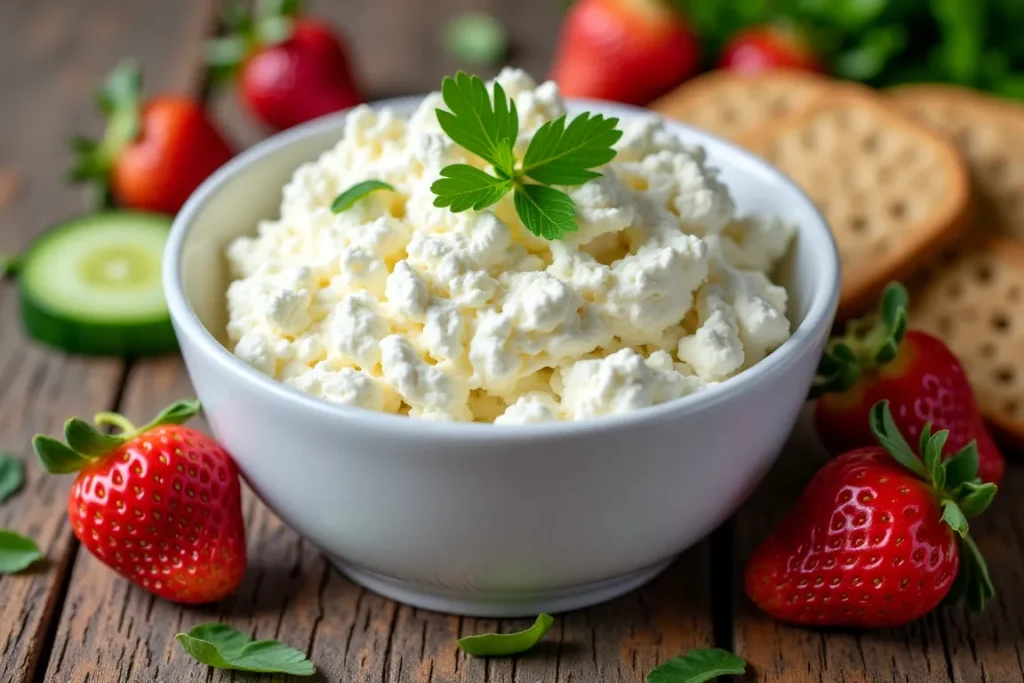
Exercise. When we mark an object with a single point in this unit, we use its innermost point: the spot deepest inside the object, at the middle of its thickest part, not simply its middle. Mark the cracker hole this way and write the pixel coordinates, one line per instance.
(1011, 406)
(983, 273)
(808, 138)
(898, 209)
(944, 325)
(954, 289)
(987, 350)
(859, 224)
(1000, 322)
(1005, 375)
(1013, 294)
(870, 143)
(729, 115)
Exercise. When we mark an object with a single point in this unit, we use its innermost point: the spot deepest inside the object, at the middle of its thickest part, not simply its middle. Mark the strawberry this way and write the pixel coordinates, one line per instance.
(762, 48)
(154, 154)
(917, 373)
(160, 505)
(625, 50)
(290, 68)
(878, 538)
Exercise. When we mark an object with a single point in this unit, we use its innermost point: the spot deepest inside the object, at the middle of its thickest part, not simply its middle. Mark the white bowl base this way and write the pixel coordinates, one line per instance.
(498, 605)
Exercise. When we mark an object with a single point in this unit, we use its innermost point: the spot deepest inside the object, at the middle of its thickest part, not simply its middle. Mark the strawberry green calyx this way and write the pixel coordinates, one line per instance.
(120, 99)
(961, 495)
(271, 23)
(867, 343)
(85, 444)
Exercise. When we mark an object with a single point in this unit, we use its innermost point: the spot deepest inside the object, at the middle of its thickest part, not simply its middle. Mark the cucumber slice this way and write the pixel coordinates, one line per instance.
(92, 285)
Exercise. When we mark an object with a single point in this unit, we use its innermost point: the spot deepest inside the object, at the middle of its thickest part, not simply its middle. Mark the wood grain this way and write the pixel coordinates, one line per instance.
(54, 53)
(947, 646)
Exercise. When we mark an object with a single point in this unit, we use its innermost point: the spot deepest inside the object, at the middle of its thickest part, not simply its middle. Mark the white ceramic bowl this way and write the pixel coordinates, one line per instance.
(481, 519)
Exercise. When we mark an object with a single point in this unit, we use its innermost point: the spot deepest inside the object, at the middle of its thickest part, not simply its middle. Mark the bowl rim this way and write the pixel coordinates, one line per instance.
(824, 300)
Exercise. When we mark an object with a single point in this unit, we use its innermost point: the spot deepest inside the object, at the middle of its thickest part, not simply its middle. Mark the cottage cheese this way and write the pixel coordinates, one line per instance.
(399, 306)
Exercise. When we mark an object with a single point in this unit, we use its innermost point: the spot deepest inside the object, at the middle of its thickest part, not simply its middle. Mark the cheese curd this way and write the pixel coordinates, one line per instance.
(399, 306)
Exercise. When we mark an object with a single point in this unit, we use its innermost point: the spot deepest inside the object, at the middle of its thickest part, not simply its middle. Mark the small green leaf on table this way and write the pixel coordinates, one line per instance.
(505, 644)
(223, 647)
(346, 199)
(12, 475)
(17, 552)
(698, 666)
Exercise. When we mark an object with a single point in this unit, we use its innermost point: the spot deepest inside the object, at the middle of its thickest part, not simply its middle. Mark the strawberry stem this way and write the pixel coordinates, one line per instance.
(961, 495)
(86, 444)
(119, 422)
(868, 343)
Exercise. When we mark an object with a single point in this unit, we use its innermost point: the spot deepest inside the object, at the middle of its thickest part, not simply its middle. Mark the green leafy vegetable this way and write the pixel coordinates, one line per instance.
(558, 154)
(223, 647)
(698, 666)
(16, 552)
(476, 38)
(505, 644)
(346, 199)
(12, 475)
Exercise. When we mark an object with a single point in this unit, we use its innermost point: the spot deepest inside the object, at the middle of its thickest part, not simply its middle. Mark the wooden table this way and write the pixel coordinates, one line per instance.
(72, 621)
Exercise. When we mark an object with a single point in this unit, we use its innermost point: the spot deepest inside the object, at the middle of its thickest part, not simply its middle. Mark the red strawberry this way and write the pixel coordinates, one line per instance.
(160, 505)
(761, 48)
(291, 69)
(154, 154)
(872, 540)
(916, 372)
(625, 50)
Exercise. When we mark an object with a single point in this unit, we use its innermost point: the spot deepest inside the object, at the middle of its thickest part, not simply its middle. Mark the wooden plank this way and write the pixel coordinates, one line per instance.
(946, 646)
(52, 54)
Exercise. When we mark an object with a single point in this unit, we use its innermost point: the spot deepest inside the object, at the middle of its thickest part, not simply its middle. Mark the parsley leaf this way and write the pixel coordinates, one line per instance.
(464, 187)
(12, 475)
(547, 212)
(560, 155)
(224, 647)
(698, 666)
(472, 122)
(505, 644)
(353, 194)
(16, 552)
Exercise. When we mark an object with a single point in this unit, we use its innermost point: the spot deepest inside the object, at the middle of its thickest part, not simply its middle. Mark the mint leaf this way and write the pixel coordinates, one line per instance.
(12, 475)
(698, 666)
(16, 552)
(473, 122)
(353, 194)
(505, 644)
(464, 187)
(223, 647)
(545, 211)
(560, 155)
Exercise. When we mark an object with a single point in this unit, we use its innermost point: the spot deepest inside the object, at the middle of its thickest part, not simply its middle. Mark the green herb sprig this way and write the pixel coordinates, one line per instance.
(559, 154)
(506, 644)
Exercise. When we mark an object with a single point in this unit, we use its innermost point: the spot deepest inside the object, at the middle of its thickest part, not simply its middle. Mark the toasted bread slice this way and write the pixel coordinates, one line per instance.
(989, 133)
(894, 192)
(731, 104)
(973, 299)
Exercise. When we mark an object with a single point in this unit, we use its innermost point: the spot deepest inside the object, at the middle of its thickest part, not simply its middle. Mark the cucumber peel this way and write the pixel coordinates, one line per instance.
(92, 285)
